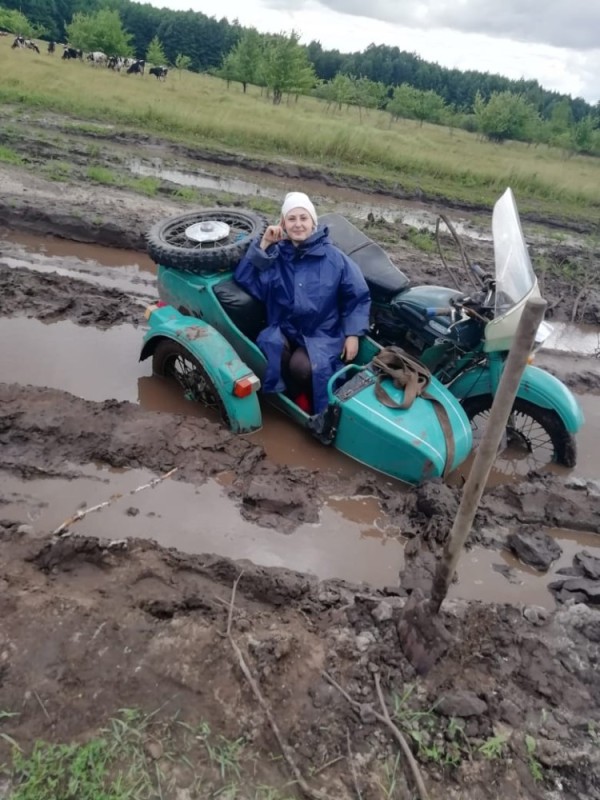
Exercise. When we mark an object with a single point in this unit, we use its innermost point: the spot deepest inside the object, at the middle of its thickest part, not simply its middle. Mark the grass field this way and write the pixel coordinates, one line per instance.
(429, 161)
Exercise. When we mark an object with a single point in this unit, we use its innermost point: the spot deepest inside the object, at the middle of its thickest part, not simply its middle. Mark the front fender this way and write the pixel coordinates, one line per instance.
(537, 386)
(216, 355)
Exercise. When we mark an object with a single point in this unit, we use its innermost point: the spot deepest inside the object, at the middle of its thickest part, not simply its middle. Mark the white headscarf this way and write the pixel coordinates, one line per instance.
(298, 200)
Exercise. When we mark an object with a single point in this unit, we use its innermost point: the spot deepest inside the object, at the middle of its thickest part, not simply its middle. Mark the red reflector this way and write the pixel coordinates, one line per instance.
(245, 386)
(161, 304)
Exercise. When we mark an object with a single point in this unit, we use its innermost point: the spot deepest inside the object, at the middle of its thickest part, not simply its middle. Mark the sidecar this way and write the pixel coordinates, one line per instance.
(203, 332)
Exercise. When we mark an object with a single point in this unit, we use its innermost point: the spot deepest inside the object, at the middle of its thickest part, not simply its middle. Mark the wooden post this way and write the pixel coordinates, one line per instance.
(485, 455)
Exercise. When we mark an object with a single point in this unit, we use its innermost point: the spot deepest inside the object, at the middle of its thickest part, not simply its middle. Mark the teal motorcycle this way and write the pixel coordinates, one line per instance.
(202, 334)
(463, 337)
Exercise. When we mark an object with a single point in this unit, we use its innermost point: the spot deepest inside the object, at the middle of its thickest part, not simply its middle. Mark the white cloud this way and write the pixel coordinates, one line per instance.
(337, 24)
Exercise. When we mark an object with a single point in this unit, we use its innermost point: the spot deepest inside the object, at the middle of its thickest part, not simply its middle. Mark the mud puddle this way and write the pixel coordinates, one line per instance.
(345, 201)
(353, 539)
(202, 519)
(125, 270)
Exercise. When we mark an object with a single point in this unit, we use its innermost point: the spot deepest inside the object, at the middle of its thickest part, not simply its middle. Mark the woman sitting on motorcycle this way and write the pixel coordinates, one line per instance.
(317, 303)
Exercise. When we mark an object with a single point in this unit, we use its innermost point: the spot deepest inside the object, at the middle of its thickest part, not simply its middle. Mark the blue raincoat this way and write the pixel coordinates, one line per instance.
(315, 296)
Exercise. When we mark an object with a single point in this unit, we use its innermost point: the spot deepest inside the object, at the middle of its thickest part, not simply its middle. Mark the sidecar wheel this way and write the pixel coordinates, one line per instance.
(172, 360)
(532, 432)
(205, 241)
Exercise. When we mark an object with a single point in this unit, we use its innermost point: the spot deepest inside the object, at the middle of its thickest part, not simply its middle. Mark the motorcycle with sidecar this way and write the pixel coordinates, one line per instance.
(202, 334)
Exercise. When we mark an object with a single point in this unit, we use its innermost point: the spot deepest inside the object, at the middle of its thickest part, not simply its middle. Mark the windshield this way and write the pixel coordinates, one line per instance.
(514, 274)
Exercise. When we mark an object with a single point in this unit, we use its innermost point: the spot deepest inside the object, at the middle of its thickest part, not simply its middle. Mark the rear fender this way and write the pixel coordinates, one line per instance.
(537, 386)
(216, 355)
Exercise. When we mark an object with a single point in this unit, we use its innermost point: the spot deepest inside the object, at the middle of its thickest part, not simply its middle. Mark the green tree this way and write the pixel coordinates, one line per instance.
(414, 103)
(100, 31)
(15, 22)
(155, 54)
(182, 63)
(583, 137)
(244, 61)
(285, 67)
(506, 116)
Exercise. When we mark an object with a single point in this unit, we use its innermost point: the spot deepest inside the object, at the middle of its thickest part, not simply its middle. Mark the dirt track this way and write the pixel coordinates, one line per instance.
(93, 627)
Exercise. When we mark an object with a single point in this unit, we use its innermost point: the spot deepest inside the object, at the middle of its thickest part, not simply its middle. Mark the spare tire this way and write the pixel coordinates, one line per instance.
(205, 241)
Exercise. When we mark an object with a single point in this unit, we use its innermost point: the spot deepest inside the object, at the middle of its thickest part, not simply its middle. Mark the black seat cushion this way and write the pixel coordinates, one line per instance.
(383, 278)
(246, 312)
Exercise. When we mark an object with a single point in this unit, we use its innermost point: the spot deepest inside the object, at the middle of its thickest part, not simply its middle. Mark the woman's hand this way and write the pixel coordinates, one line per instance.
(350, 350)
(272, 235)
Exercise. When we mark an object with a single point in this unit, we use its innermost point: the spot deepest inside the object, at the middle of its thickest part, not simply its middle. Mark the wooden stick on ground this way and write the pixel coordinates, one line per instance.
(352, 767)
(85, 511)
(286, 750)
(386, 720)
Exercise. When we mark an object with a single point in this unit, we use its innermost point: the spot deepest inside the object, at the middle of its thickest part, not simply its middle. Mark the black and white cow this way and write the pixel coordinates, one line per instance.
(31, 45)
(97, 58)
(18, 42)
(51, 47)
(137, 68)
(72, 52)
(160, 72)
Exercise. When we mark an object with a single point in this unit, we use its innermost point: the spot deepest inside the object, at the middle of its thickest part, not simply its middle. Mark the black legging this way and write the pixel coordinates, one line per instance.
(296, 369)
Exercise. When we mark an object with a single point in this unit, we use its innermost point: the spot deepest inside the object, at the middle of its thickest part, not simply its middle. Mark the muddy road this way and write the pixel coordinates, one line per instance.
(114, 489)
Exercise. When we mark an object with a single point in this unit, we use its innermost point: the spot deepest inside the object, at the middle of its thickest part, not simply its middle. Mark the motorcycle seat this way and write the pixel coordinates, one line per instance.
(246, 312)
(383, 278)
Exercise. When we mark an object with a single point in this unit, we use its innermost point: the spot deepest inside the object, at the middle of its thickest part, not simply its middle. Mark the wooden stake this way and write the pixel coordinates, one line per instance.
(487, 451)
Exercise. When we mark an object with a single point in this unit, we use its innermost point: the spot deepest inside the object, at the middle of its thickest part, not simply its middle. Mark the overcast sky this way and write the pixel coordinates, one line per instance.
(556, 42)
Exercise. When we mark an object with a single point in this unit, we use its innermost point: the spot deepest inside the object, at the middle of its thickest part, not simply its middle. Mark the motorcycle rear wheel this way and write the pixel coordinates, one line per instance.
(538, 433)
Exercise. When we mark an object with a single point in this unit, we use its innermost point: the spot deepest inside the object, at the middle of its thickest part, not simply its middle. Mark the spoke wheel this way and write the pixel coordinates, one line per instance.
(172, 360)
(181, 243)
(534, 435)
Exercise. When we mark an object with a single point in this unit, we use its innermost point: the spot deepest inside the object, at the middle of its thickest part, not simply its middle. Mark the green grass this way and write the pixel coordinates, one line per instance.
(9, 156)
(99, 174)
(138, 756)
(426, 160)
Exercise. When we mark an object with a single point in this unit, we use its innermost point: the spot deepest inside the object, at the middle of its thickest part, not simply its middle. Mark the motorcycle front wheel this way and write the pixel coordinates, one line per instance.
(534, 434)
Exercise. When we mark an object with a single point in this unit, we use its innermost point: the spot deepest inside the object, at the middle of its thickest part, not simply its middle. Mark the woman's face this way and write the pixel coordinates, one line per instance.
(298, 224)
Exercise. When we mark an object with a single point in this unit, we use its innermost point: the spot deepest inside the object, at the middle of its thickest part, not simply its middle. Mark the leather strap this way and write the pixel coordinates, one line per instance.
(414, 377)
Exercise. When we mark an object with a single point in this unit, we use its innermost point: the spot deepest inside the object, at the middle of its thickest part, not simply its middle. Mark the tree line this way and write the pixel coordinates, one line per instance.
(380, 77)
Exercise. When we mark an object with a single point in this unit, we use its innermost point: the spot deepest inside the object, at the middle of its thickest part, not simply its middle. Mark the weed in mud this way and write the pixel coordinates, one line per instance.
(57, 170)
(535, 767)
(186, 193)
(138, 756)
(493, 747)
(264, 206)
(72, 772)
(9, 156)
(103, 175)
(391, 771)
(421, 239)
(147, 185)
(94, 150)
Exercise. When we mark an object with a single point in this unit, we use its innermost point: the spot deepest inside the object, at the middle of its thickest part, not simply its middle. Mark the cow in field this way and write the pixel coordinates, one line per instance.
(31, 45)
(115, 62)
(72, 52)
(18, 42)
(51, 47)
(137, 68)
(97, 58)
(160, 72)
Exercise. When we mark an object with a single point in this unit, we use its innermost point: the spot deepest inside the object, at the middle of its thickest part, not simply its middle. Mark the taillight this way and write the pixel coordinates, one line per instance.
(245, 386)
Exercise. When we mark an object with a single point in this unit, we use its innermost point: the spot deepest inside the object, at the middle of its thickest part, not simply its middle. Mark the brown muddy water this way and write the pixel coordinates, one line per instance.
(354, 539)
(348, 202)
